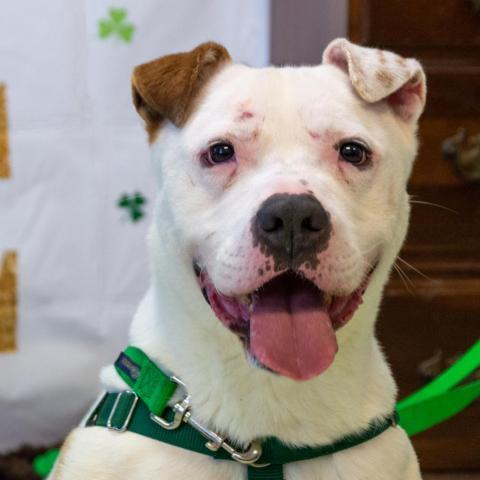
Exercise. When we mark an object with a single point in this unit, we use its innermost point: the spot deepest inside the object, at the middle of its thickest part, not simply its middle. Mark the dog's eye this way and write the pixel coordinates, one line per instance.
(219, 153)
(354, 153)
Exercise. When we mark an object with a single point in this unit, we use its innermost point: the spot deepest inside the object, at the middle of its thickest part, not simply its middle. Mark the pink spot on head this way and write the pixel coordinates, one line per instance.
(243, 111)
(328, 135)
(245, 115)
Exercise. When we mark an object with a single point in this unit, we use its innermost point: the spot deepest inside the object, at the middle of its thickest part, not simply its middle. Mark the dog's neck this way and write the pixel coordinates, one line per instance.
(176, 327)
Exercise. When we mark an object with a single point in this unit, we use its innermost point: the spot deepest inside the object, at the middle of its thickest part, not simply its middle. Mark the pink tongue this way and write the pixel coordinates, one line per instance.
(290, 331)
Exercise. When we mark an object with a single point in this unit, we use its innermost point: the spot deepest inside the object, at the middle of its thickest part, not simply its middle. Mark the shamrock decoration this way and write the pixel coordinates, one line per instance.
(117, 25)
(134, 203)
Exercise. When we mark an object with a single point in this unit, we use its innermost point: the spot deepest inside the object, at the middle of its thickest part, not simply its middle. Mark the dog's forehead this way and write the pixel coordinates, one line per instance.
(310, 96)
(279, 87)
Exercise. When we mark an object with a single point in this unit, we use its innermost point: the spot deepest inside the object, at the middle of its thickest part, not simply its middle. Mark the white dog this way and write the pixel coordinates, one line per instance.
(282, 206)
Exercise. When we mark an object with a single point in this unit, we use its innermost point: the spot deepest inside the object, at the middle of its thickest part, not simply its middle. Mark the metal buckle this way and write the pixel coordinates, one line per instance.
(179, 408)
(126, 422)
(183, 414)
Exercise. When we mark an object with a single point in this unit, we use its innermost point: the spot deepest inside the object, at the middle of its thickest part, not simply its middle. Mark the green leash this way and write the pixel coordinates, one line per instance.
(439, 400)
(433, 404)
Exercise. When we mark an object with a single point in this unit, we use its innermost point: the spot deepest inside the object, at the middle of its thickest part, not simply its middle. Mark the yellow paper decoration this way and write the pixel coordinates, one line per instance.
(8, 302)
(4, 164)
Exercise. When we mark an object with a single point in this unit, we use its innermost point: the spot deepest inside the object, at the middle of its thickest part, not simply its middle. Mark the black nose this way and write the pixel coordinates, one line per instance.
(292, 228)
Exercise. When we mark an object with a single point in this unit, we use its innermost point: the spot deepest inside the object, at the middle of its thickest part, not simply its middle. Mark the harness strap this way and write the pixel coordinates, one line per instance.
(143, 410)
(431, 405)
(272, 472)
(125, 411)
(145, 379)
(132, 414)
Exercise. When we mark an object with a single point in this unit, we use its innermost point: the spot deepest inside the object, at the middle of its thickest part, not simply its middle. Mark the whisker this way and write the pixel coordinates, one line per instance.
(415, 269)
(431, 204)
(404, 277)
(397, 271)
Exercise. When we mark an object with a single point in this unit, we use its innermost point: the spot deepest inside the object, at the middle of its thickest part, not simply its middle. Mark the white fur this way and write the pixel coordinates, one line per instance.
(298, 114)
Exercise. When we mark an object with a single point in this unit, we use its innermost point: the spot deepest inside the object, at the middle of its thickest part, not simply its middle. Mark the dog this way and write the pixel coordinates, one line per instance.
(281, 208)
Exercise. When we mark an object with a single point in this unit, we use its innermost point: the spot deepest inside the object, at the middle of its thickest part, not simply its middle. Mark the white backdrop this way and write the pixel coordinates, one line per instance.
(76, 145)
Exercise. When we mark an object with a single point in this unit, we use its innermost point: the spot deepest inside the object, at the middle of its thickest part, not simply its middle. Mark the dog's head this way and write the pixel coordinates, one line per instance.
(286, 186)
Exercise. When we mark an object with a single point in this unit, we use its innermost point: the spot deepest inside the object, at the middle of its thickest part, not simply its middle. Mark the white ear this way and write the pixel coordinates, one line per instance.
(381, 75)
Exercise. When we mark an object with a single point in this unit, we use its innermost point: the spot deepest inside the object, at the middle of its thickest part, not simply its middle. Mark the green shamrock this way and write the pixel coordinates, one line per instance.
(117, 25)
(134, 203)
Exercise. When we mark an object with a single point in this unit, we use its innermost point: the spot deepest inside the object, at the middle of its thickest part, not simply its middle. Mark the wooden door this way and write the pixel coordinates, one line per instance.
(427, 323)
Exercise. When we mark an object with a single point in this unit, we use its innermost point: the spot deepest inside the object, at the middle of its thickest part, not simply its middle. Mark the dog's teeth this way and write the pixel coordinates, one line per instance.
(243, 299)
(327, 299)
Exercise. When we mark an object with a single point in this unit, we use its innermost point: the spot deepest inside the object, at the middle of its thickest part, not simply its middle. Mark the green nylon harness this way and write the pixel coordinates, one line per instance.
(442, 398)
(144, 410)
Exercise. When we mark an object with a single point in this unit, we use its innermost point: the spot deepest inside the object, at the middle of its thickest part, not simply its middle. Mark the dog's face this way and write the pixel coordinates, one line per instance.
(286, 186)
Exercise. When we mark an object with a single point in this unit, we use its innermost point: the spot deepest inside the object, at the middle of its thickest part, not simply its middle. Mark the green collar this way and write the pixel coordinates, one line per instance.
(144, 410)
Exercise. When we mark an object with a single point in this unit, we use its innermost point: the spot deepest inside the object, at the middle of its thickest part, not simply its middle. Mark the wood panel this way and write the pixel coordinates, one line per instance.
(452, 476)
(425, 23)
(441, 315)
(419, 23)
(445, 36)
(430, 167)
(438, 315)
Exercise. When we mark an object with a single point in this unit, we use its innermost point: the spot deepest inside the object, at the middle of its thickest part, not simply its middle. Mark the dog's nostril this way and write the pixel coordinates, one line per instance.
(308, 224)
(270, 223)
(314, 222)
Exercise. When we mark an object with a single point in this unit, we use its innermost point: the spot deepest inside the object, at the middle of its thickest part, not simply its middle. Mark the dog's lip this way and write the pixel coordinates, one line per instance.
(234, 311)
(288, 324)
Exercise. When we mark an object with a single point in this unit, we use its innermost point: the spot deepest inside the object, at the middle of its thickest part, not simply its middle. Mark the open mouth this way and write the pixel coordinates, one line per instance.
(288, 325)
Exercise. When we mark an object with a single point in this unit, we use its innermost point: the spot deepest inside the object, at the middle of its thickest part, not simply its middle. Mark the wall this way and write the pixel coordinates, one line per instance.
(74, 263)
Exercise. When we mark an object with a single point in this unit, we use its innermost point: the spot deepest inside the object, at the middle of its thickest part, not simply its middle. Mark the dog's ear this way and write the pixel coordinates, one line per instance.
(166, 88)
(381, 75)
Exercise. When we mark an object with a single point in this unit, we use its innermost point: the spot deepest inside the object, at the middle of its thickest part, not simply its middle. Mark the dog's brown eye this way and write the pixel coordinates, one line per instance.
(219, 153)
(354, 153)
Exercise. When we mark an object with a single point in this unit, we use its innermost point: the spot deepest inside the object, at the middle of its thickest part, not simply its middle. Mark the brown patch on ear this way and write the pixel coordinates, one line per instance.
(167, 88)
(378, 75)
(385, 78)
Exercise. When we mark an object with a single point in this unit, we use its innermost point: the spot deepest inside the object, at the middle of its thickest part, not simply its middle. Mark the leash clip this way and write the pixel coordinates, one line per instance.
(247, 457)
(180, 409)
(183, 414)
(215, 442)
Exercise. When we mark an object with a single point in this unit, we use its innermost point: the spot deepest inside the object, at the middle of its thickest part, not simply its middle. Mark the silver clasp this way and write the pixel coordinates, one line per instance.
(180, 409)
(183, 413)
